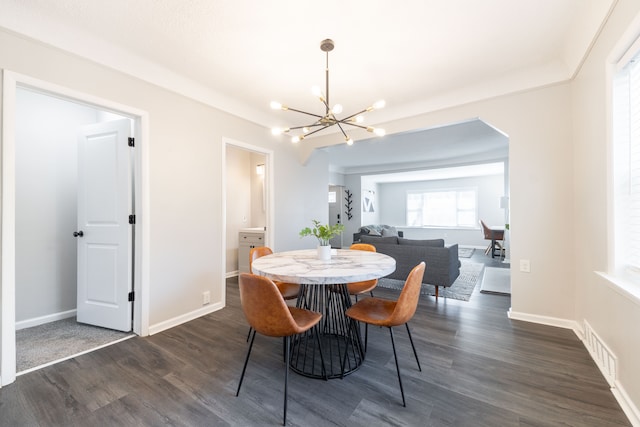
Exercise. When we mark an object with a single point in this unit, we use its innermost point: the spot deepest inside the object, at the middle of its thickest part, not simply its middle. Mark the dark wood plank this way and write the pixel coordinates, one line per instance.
(479, 368)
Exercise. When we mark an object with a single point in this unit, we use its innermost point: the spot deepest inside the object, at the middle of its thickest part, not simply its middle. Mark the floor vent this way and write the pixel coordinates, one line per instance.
(601, 354)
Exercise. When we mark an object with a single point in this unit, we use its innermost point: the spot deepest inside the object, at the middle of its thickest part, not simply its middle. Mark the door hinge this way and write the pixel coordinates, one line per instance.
(132, 219)
(132, 142)
(132, 296)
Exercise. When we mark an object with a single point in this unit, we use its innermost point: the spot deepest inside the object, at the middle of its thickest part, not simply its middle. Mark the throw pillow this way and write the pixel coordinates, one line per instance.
(389, 231)
(373, 232)
(438, 243)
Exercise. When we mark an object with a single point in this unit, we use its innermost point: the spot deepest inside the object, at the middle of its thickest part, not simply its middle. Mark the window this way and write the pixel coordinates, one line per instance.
(626, 165)
(442, 208)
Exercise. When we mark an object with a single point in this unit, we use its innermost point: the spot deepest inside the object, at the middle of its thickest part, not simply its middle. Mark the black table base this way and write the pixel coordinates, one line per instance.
(338, 334)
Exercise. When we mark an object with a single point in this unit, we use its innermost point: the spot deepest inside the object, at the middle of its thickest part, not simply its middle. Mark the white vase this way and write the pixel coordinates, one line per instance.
(324, 253)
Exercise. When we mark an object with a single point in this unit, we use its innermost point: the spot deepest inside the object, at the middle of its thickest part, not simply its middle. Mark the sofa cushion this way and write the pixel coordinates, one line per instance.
(386, 232)
(438, 243)
(389, 240)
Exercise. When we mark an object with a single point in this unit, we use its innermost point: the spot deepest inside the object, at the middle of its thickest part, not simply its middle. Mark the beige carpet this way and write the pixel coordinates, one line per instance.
(55, 341)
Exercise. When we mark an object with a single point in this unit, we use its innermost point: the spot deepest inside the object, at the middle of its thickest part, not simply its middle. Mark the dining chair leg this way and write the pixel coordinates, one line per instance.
(284, 349)
(246, 360)
(415, 353)
(249, 334)
(393, 344)
(366, 336)
(286, 378)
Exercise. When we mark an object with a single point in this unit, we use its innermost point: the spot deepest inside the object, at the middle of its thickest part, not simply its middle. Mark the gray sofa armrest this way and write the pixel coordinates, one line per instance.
(443, 264)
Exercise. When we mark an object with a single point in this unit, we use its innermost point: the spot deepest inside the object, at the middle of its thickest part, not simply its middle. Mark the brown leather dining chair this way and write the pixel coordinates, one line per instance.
(389, 313)
(288, 290)
(268, 313)
(357, 288)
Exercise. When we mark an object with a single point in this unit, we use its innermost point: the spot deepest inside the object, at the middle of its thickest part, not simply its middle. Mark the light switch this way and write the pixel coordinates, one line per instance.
(525, 266)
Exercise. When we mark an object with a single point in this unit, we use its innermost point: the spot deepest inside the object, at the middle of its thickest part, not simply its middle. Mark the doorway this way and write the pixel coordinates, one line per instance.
(247, 178)
(12, 199)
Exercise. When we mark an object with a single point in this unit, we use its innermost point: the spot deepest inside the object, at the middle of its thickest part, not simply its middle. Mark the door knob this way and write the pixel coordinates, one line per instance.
(78, 233)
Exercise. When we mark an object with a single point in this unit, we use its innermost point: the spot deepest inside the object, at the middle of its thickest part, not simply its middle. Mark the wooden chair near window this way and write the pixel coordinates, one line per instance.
(389, 313)
(495, 236)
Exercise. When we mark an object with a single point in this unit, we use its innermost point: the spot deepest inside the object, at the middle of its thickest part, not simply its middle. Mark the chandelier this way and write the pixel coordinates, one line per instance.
(329, 118)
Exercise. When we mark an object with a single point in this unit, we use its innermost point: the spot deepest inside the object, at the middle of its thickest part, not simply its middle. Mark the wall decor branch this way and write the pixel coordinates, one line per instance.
(349, 205)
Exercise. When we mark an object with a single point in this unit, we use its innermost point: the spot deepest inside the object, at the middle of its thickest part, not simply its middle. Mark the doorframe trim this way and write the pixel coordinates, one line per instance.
(11, 81)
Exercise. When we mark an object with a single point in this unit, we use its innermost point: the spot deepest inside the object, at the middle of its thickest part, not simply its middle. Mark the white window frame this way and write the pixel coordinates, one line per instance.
(618, 275)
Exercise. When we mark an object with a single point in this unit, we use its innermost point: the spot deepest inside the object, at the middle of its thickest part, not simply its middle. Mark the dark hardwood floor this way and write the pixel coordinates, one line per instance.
(478, 369)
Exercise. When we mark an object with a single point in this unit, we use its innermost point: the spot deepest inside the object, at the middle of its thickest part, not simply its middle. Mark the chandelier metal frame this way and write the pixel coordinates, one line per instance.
(329, 118)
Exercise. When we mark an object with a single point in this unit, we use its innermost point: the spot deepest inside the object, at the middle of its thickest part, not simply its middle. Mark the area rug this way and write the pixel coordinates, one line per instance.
(496, 281)
(465, 252)
(59, 340)
(462, 288)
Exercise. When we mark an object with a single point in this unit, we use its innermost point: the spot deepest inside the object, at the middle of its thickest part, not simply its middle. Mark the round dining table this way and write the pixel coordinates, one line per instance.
(323, 288)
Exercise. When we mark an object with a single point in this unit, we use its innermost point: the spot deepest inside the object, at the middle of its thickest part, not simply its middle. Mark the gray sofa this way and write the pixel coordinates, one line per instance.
(443, 265)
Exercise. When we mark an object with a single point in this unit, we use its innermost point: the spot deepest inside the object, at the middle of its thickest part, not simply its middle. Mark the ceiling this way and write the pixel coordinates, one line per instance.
(418, 55)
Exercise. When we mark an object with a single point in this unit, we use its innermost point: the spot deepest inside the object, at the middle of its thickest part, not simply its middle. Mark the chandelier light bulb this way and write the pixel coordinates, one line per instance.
(337, 109)
(305, 130)
(295, 139)
(276, 105)
(379, 132)
(316, 91)
(359, 118)
(379, 104)
(276, 131)
(349, 141)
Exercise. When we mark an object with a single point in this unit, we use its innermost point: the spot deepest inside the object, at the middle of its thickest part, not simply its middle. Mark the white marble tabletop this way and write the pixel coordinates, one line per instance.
(303, 266)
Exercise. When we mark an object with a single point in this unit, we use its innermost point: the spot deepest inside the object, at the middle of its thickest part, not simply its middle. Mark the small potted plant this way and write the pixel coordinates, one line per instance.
(324, 233)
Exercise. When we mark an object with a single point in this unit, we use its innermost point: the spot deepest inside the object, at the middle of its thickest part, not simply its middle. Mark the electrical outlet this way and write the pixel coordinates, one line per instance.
(525, 266)
(206, 298)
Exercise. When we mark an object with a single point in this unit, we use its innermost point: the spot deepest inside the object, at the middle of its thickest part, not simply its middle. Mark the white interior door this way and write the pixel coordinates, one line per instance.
(104, 234)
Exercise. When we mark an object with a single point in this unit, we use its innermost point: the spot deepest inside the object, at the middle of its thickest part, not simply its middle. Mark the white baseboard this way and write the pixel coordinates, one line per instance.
(29, 323)
(629, 409)
(232, 274)
(179, 320)
(546, 320)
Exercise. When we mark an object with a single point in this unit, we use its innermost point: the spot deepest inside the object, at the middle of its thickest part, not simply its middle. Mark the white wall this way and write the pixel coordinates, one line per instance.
(238, 163)
(258, 201)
